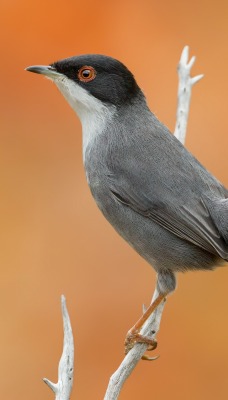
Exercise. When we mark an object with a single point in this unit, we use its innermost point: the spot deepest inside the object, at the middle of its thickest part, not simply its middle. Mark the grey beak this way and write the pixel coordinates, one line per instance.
(46, 70)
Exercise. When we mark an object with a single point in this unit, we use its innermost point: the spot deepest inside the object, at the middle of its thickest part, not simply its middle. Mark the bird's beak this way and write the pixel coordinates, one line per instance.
(48, 71)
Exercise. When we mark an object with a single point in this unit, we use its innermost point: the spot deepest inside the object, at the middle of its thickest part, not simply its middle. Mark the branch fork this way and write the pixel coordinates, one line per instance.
(63, 387)
(186, 83)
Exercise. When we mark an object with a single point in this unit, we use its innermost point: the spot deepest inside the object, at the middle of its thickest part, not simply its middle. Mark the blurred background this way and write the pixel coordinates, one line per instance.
(54, 240)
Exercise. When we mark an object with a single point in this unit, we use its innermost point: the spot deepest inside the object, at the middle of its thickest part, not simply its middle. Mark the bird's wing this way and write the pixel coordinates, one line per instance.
(192, 224)
(177, 203)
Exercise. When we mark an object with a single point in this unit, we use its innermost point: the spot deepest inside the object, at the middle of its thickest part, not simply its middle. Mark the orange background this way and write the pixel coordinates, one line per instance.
(53, 238)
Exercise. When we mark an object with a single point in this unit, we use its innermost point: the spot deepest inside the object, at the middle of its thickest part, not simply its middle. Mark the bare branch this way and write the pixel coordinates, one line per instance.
(63, 387)
(184, 93)
(151, 326)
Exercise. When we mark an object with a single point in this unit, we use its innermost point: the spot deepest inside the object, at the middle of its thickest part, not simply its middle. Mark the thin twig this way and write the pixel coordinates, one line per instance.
(184, 93)
(151, 326)
(63, 387)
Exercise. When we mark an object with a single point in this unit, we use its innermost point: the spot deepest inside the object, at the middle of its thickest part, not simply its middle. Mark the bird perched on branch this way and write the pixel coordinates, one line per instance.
(157, 196)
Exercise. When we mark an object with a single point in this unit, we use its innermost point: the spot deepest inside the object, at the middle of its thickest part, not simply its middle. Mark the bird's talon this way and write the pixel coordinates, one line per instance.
(134, 337)
(147, 358)
(152, 347)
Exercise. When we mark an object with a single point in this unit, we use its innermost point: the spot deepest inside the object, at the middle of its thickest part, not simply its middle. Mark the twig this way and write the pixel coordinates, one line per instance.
(63, 387)
(151, 326)
(130, 361)
(184, 93)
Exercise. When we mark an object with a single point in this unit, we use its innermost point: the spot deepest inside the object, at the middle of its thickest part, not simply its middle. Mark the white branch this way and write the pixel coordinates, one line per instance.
(63, 387)
(184, 93)
(130, 361)
(151, 326)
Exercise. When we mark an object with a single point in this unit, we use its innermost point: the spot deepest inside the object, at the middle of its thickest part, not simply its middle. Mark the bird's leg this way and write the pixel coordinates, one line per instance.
(133, 336)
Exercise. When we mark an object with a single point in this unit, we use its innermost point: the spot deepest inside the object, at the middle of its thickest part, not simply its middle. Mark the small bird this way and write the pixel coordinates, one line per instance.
(156, 195)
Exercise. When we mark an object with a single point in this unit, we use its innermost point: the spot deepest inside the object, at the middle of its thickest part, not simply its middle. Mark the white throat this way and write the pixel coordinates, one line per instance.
(93, 114)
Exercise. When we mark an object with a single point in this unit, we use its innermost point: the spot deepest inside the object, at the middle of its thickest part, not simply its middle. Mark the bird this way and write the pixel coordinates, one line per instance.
(151, 189)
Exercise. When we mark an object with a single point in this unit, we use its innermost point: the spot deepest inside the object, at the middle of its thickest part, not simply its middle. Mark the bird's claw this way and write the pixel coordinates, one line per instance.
(147, 358)
(134, 337)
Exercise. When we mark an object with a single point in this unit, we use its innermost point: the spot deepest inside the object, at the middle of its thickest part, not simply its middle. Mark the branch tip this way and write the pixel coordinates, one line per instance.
(184, 55)
(191, 62)
(52, 386)
(196, 78)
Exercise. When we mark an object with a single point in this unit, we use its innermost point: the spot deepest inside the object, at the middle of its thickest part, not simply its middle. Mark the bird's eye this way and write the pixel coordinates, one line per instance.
(86, 74)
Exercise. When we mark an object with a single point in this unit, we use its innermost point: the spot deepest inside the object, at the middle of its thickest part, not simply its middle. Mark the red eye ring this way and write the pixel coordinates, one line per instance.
(86, 73)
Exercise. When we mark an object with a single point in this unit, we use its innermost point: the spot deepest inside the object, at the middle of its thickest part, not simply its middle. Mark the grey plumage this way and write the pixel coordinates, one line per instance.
(156, 194)
(159, 198)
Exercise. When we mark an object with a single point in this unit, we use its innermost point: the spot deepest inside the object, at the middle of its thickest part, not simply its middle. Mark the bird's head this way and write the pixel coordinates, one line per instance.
(89, 82)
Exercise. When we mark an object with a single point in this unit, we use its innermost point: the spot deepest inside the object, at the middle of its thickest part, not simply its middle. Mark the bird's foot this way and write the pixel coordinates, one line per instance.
(134, 337)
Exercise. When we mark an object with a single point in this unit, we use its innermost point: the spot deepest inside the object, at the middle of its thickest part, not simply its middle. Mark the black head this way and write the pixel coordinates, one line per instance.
(104, 77)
